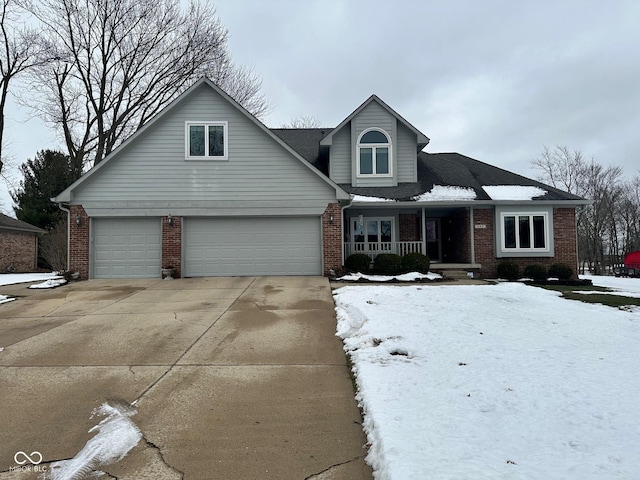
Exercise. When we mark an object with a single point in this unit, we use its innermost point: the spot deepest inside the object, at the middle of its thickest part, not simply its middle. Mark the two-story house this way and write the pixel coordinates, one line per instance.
(209, 190)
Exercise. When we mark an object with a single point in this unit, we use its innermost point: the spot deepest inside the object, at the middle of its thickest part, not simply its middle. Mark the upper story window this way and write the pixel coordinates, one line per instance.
(374, 153)
(206, 140)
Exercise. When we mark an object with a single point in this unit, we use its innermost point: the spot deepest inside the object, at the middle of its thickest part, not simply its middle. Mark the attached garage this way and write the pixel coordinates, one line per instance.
(244, 246)
(126, 247)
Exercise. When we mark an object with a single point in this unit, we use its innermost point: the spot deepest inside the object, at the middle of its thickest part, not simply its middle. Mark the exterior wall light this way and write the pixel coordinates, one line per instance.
(79, 221)
(170, 220)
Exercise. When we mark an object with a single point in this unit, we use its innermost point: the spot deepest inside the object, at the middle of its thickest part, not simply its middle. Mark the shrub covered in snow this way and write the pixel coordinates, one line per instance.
(416, 262)
(535, 271)
(358, 262)
(508, 270)
(387, 264)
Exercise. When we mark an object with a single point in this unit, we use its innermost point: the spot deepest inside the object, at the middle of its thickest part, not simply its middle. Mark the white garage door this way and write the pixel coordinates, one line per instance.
(126, 248)
(252, 246)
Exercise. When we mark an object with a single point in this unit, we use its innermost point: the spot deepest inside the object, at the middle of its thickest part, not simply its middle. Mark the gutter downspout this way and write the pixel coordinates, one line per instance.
(68, 233)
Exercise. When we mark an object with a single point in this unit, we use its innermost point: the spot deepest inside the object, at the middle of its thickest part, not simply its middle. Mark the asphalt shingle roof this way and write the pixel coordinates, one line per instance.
(447, 169)
(9, 223)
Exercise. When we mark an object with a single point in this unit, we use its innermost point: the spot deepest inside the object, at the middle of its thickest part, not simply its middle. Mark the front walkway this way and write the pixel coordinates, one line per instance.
(234, 378)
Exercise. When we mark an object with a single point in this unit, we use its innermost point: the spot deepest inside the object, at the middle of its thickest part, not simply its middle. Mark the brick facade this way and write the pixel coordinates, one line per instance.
(18, 251)
(172, 244)
(409, 227)
(564, 239)
(331, 238)
(79, 242)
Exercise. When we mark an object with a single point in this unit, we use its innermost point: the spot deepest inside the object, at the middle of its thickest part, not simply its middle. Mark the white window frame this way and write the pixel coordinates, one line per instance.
(365, 245)
(374, 146)
(206, 125)
(518, 249)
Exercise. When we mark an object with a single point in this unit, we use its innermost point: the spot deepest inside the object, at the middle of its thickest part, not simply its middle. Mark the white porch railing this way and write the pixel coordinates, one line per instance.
(374, 248)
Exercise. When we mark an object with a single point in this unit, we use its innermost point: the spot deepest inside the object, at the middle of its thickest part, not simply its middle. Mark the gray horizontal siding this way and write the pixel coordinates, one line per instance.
(375, 116)
(340, 153)
(154, 169)
(407, 155)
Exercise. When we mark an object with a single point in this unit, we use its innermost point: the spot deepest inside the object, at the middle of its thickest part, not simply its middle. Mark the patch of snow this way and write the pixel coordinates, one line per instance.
(616, 293)
(5, 299)
(405, 277)
(493, 382)
(116, 436)
(615, 283)
(13, 278)
(446, 193)
(513, 192)
(50, 283)
(363, 198)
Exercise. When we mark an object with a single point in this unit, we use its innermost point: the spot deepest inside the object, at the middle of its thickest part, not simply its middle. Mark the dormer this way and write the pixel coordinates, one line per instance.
(374, 147)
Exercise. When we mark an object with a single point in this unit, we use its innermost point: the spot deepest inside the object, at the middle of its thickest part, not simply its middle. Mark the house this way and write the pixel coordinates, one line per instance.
(209, 190)
(18, 245)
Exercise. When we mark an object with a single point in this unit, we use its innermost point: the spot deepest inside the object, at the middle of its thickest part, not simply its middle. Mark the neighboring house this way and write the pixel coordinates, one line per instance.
(206, 188)
(18, 245)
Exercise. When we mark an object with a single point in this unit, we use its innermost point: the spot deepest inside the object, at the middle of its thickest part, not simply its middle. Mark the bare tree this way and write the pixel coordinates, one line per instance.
(302, 121)
(598, 229)
(561, 168)
(114, 64)
(53, 246)
(18, 54)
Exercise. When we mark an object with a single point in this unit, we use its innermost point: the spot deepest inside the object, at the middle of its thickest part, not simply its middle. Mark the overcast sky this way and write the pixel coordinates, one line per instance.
(494, 80)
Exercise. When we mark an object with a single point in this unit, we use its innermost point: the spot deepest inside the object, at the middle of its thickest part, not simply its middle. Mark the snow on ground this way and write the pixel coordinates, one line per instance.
(5, 299)
(50, 283)
(619, 284)
(13, 278)
(446, 193)
(116, 436)
(513, 192)
(502, 381)
(405, 277)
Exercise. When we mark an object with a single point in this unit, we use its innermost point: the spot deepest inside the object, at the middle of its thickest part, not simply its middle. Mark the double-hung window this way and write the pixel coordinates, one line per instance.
(374, 154)
(206, 141)
(525, 232)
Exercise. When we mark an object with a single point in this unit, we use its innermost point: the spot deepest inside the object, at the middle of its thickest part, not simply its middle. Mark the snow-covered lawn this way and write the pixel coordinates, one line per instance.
(500, 381)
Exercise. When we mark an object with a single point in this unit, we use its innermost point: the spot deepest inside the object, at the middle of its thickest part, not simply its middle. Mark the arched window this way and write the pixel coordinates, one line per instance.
(374, 153)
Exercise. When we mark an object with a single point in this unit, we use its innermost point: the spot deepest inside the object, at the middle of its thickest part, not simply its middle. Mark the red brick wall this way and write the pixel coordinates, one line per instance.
(409, 227)
(18, 251)
(79, 241)
(331, 238)
(564, 239)
(172, 244)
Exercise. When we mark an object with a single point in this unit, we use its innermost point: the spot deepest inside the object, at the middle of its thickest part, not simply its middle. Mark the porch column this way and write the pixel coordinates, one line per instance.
(424, 232)
(472, 235)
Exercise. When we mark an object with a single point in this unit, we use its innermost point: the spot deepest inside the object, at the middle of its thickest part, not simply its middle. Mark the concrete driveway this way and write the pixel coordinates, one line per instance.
(232, 378)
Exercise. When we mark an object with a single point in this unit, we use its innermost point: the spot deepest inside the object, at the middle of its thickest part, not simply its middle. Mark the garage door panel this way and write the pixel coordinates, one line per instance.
(126, 248)
(252, 246)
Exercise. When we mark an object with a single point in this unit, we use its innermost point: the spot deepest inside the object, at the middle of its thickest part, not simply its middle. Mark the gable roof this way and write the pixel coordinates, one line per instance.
(66, 195)
(9, 223)
(443, 169)
(423, 140)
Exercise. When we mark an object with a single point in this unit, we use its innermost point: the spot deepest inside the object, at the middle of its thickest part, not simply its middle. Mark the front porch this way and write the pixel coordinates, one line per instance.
(445, 235)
